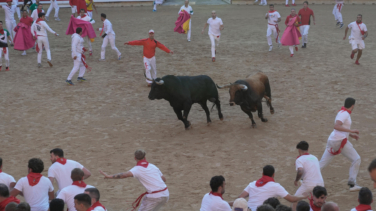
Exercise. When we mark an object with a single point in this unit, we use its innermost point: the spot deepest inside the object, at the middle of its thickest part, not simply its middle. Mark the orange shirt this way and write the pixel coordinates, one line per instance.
(149, 46)
(306, 16)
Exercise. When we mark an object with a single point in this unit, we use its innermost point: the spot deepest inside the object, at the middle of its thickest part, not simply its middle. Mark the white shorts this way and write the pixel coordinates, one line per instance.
(74, 9)
(357, 44)
(304, 29)
(305, 189)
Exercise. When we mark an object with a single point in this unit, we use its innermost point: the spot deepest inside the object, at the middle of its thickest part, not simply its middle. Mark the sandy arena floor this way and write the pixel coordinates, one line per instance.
(100, 123)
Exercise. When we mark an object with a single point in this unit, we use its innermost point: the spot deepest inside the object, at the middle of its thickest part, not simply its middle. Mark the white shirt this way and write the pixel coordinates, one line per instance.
(345, 118)
(311, 169)
(214, 25)
(36, 196)
(9, 12)
(99, 208)
(354, 209)
(107, 27)
(187, 9)
(68, 193)
(86, 18)
(257, 195)
(214, 203)
(40, 29)
(34, 14)
(77, 45)
(62, 173)
(273, 17)
(355, 31)
(6, 179)
(151, 178)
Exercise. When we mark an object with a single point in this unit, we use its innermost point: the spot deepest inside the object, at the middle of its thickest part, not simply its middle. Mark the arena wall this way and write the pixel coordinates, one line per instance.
(99, 3)
(372, 2)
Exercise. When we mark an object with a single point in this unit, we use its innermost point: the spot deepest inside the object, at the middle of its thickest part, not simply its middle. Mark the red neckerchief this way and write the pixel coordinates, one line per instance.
(143, 163)
(363, 207)
(83, 59)
(81, 183)
(1, 170)
(8, 200)
(62, 161)
(361, 31)
(98, 204)
(34, 178)
(272, 11)
(102, 29)
(38, 20)
(90, 209)
(82, 16)
(313, 206)
(302, 155)
(215, 194)
(263, 180)
(2, 31)
(345, 109)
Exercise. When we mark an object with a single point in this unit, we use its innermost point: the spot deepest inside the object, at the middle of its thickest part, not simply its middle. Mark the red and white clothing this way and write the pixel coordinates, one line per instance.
(4, 51)
(214, 202)
(68, 193)
(311, 174)
(55, 5)
(189, 10)
(10, 22)
(77, 50)
(62, 173)
(151, 178)
(15, 2)
(110, 37)
(337, 11)
(8, 200)
(97, 206)
(214, 32)
(273, 17)
(257, 195)
(37, 195)
(73, 4)
(356, 35)
(149, 55)
(35, 13)
(39, 29)
(338, 141)
(362, 207)
(287, 2)
(87, 18)
(305, 16)
(6, 179)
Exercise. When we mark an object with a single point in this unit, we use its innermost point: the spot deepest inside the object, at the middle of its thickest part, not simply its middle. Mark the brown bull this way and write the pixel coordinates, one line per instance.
(249, 92)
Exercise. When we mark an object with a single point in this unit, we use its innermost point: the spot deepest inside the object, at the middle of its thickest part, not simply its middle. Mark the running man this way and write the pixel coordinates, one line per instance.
(150, 44)
(85, 17)
(308, 170)
(215, 28)
(35, 12)
(273, 19)
(10, 22)
(186, 7)
(337, 13)
(305, 16)
(4, 37)
(108, 35)
(151, 178)
(39, 32)
(358, 34)
(55, 5)
(338, 143)
(213, 200)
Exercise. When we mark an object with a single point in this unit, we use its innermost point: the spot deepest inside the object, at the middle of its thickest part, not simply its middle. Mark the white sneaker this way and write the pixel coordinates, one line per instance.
(24, 53)
(57, 19)
(189, 40)
(355, 188)
(271, 48)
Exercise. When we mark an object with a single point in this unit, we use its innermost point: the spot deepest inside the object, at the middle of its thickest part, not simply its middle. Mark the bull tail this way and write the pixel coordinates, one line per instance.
(268, 93)
(213, 100)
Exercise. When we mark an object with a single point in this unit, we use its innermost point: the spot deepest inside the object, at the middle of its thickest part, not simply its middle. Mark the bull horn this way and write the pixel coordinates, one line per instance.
(243, 87)
(223, 87)
(160, 82)
(148, 78)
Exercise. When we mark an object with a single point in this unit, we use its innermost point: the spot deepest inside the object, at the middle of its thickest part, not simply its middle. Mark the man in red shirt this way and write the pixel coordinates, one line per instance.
(150, 44)
(305, 15)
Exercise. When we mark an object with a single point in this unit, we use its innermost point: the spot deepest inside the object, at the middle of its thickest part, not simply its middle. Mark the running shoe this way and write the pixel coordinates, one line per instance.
(213, 59)
(119, 57)
(23, 53)
(357, 62)
(338, 23)
(154, 10)
(7, 69)
(291, 55)
(49, 63)
(294, 4)
(287, 5)
(271, 48)
(81, 79)
(341, 26)
(355, 188)
(57, 19)
(47, 19)
(69, 82)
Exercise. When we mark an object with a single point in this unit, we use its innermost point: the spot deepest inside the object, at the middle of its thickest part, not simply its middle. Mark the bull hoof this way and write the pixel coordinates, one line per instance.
(264, 119)
(272, 110)
(209, 123)
(254, 126)
(221, 119)
(189, 126)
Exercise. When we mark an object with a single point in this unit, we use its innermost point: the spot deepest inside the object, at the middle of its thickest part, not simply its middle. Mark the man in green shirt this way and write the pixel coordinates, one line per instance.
(4, 37)
(34, 7)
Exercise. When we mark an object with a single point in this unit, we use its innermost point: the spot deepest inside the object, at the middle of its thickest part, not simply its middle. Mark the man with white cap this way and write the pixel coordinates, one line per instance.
(189, 10)
(150, 44)
(108, 35)
(215, 28)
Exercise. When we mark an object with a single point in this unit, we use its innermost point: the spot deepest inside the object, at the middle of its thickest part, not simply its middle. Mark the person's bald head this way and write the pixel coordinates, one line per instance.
(214, 14)
(186, 2)
(330, 206)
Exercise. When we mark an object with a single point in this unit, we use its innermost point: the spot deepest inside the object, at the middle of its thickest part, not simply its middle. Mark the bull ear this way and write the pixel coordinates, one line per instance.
(243, 87)
(159, 82)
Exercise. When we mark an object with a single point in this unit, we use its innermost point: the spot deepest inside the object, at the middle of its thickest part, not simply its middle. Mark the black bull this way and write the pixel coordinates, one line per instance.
(183, 91)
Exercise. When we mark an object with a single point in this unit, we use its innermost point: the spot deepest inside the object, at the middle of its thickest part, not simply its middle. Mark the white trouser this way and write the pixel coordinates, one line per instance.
(189, 31)
(150, 68)
(306, 188)
(152, 204)
(263, 2)
(348, 151)
(304, 31)
(18, 12)
(287, 2)
(43, 41)
(89, 43)
(213, 38)
(272, 30)
(90, 13)
(77, 64)
(291, 47)
(53, 5)
(337, 12)
(74, 9)
(11, 24)
(6, 57)
(111, 38)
